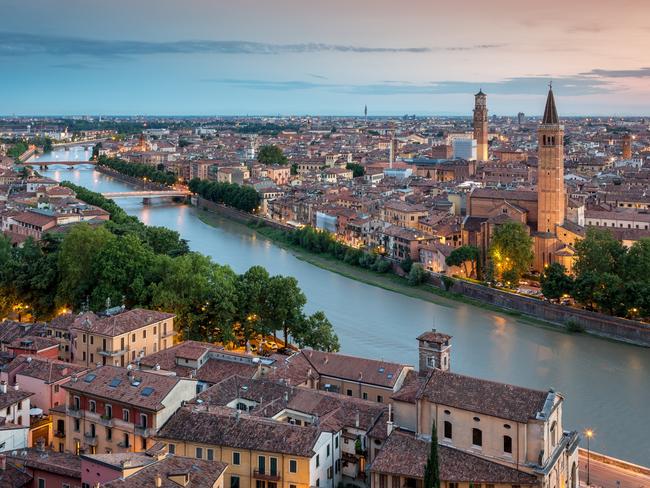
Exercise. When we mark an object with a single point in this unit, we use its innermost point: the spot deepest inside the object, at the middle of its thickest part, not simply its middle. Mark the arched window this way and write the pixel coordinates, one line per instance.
(447, 429)
(477, 437)
(507, 444)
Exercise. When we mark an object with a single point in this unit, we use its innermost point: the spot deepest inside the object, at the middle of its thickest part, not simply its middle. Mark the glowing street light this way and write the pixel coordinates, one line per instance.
(589, 434)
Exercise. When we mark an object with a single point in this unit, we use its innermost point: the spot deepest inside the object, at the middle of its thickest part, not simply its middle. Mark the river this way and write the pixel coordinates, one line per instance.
(606, 384)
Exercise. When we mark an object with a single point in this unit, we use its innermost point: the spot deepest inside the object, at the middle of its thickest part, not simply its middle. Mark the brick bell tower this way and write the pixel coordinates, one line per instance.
(551, 194)
(481, 126)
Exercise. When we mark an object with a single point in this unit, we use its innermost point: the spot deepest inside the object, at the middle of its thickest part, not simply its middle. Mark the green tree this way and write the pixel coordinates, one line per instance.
(432, 468)
(357, 169)
(599, 252)
(253, 290)
(406, 264)
(637, 261)
(463, 255)
(76, 259)
(417, 275)
(270, 154)
(318, 333)
(285, 302)
(511, 250)
(555, 282)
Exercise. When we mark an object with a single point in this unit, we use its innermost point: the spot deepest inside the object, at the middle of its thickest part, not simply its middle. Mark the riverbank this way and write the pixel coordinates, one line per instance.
(557, 317)
(387, 281)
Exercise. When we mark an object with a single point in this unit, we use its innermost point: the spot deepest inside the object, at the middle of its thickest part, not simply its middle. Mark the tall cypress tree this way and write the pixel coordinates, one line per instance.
(432, 469)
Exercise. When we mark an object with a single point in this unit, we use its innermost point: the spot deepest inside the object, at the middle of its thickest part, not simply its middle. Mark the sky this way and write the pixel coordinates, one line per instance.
(268, 57)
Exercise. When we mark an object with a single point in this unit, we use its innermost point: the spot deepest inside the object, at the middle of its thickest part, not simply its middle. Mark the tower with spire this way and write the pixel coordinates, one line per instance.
(481, 126)
(551, 195)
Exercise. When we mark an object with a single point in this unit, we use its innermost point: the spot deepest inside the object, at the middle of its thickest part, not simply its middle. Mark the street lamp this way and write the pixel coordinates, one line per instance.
(589, 433)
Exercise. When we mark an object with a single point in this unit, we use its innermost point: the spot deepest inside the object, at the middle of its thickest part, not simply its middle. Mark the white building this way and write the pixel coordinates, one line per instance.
(464, 148)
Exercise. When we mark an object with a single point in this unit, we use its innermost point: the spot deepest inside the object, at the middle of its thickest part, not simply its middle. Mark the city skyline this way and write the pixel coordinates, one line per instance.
(206, 58)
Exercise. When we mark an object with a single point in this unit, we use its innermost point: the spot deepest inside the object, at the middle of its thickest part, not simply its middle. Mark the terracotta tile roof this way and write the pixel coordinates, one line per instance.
(166, 358)
(404, 454)
(63, 322)
(120, 323)
(215, 370)
(13, 396)
(13, 477)
(410, 388)
(10, 330)
(198, 472)
(221, 427)
(292, 370)
(60, 463)
(528, 195)
(482, 396)
(434, 336)
(47, 370)
(369, 371)
(35, 219)
(33, 343)
(139, 388)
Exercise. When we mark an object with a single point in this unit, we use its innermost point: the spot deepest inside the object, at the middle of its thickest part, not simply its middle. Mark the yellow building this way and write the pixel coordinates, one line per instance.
(120, 338)
(403, 214)
(261, 453)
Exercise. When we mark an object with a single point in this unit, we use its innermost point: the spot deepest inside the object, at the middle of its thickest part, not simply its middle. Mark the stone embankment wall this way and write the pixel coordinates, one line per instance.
(237, 215)
(594, 323)
(132, 180)
(618, 463)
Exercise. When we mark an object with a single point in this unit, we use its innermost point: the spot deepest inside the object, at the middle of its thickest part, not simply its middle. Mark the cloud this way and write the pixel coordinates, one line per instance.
(529, 85)
(620, 73)
(21, 44)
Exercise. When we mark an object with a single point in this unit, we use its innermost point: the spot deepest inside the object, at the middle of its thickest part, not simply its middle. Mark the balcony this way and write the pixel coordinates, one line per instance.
(144, 431)
(106, 421)
(169, 333)
(117, 352)
(124, 444)
(90, 439)
(60, 434)
(263, 475)
(73, 412)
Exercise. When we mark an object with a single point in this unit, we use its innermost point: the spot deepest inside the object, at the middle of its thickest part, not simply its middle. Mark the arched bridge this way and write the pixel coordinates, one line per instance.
(148, 194)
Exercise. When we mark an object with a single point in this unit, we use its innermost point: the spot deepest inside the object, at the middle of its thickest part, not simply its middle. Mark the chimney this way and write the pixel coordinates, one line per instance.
(356, 420)
(158, 481)
(3, 386)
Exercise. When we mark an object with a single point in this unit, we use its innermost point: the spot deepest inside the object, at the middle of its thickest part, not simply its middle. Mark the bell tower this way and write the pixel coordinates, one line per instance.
(481, 126)
(434, 350)
(551, 195)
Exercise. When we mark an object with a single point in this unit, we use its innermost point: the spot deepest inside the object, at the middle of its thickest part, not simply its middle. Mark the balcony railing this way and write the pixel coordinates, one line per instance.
(60, 434)
(264, 475)
(116, 352)
(73, 412)
(90, 439)
(124, 444)
(106, 420)
(144, 431)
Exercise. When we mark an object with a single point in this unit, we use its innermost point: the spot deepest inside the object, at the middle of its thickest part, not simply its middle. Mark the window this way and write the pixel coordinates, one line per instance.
(41, 483)
(349, 392)
(273, 466)
(475, 485)
(328, 450)
(171, 448)
(199, 453)
(210, 454)
(507, 444)
(76, 425)
(144, 334)
(236, 460)
(109, 433)
(260, 484)
(92, 406)
(317, 460)
(234, 482)
(447, 430)
(261, 464)
(108, 411)
(365, 395)
(383, 481)
(56, 388)
(154, 329)
(330, 473)
(83, 338)
(336, 441)
(125, 415)
(293, 466)
(380, 398)
(477, 437)
(92, 339)
(317, 481)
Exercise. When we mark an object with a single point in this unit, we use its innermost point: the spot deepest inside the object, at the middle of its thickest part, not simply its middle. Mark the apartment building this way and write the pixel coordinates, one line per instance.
(261, 453)
(121, 337)
(113, 409)
(403, 214)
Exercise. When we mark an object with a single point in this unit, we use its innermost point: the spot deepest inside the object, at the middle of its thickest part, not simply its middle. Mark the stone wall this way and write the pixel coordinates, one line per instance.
(593, 322)
(235, 214)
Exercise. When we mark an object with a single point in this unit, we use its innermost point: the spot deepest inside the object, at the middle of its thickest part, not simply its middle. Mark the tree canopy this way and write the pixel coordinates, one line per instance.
(511, 250)
(270, 154)
(462, 256)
